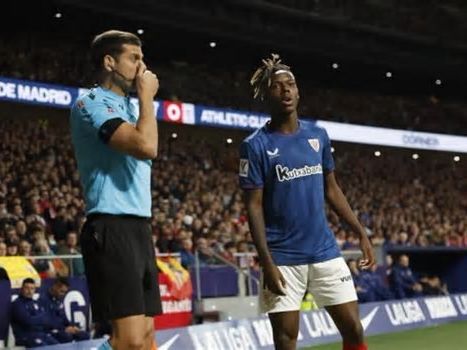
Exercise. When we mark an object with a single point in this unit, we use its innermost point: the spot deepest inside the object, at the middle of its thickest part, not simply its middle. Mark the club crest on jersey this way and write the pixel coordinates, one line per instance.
(314, 143)
(243, 168)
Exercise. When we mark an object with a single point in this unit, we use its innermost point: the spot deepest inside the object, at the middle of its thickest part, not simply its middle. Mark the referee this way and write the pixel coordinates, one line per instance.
(114, 148)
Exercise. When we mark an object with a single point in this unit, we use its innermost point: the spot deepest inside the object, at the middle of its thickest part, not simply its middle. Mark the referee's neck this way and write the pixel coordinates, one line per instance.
(108, 85)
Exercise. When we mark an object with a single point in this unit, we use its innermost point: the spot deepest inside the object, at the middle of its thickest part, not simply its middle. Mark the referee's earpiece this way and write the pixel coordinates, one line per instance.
(109, 65)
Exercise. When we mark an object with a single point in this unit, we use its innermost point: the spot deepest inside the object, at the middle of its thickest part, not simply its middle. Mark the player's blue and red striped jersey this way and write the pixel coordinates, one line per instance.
(290, 169)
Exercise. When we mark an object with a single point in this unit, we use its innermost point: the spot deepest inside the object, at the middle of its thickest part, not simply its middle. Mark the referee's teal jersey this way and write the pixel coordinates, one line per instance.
(113, 182)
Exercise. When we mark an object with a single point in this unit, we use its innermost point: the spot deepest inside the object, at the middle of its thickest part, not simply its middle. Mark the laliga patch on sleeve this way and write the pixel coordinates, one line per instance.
(243, 168)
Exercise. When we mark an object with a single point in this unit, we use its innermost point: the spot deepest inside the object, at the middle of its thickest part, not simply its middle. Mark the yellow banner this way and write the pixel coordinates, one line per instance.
(18, 268)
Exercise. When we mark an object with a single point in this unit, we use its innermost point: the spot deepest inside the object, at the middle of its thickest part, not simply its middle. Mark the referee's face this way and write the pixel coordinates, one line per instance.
(283, 94)
(126, 66)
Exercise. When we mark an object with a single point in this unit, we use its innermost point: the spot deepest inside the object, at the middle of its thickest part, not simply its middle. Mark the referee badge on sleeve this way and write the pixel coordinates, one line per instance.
(314, 143)
(243, 168)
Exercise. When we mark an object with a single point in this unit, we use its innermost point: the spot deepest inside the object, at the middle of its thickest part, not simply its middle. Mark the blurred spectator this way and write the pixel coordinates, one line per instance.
(205, 253)
(61, 224)
(432, 285)
(29, 319)
(341, 238)
(70, 247)
(403, 281)
(44, 267)
(364, 291)
(60, 327)
(230, 249)
(167, 243)
(186, 253)
(352, 242)
(24, 248)
(373, 277)
(12, 249)
(21, 229)
(3, 249)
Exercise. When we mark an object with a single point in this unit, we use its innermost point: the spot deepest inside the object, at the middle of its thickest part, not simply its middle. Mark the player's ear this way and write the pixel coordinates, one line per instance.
(109, 63)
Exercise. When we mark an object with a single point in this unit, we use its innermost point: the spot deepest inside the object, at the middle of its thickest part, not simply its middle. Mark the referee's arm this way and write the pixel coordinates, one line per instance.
(141, 140)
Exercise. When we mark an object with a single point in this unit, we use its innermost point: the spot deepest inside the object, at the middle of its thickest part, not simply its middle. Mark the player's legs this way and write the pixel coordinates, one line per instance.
(284, 310)
(347, 320)
(130, 333)
(149, 339)
(332, 287)
(285, 327)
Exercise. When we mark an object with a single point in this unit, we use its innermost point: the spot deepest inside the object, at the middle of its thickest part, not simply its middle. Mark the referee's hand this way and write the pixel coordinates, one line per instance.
(147, 83)
(273, 279)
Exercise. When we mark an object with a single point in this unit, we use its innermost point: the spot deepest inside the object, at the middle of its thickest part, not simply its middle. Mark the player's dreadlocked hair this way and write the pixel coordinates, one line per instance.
(261, 79)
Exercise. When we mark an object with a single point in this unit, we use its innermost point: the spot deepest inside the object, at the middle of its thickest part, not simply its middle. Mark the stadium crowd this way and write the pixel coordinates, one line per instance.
(37, 59)
(444, 21)
(400, 201)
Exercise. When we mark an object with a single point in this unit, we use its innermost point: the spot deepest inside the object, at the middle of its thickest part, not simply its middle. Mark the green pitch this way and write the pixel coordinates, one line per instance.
(451, 336)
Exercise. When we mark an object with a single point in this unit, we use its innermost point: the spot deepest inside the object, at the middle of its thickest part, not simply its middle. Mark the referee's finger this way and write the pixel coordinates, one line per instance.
(141, 69)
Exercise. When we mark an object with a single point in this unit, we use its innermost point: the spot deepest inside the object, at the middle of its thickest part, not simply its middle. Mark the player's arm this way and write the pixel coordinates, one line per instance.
(254, 205)
(339, 203)
(141, 140)
(251, 177)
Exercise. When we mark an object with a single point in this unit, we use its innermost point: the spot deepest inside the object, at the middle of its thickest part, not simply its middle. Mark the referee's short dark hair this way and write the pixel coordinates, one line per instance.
(110, 43)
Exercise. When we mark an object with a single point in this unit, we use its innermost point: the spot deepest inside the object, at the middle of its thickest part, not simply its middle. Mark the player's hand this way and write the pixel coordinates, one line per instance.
(274, 280)
(368, 259)
(147, 83)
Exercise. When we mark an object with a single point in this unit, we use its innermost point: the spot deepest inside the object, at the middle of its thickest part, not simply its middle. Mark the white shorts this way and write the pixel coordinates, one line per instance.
(330, 283)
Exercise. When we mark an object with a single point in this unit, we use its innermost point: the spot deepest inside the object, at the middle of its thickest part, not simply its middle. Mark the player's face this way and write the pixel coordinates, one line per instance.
(127, 64)
(283, 94)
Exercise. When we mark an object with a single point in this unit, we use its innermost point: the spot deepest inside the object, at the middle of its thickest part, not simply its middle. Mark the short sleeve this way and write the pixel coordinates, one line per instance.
(328, 160)
(250, 168)
(95, 112)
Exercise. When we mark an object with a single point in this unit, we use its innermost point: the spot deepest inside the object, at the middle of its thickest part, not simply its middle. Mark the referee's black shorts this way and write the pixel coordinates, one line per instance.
(120, 265)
